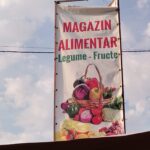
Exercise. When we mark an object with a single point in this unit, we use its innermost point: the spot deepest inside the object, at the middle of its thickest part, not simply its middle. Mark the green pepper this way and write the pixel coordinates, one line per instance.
(73, 110)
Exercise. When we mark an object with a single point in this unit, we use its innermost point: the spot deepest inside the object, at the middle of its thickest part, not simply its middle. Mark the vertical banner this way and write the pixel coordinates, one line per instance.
(88, 73)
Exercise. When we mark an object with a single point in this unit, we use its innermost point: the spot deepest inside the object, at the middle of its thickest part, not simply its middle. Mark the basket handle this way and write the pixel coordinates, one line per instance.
(100, 77)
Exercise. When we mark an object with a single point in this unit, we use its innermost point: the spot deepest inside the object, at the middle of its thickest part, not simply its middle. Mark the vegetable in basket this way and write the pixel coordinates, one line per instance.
(81, 92)
(86, 116)
(72, 110)
(97, 120)
(97, 111)
(78, 82)
(92, 83)
(116, 104)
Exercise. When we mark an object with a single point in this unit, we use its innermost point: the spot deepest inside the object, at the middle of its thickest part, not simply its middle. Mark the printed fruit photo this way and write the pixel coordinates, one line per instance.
(92, 83)
(91, 101)
(95, 94)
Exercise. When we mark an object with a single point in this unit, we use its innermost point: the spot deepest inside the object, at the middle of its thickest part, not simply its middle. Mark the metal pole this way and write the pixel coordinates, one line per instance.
(55, 74)
(64, 1)
(122, 66)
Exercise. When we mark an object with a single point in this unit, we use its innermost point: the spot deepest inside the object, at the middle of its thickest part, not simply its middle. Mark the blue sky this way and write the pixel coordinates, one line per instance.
(26, 86)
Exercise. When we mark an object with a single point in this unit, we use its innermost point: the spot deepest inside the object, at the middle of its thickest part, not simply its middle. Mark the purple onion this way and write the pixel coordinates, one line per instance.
(86, 116)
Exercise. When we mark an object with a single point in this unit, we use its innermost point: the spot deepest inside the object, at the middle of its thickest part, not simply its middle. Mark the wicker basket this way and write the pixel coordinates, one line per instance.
(89, 103)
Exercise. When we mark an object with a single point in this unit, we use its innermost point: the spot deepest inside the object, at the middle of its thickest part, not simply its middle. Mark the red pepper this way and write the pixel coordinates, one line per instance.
(92, 83)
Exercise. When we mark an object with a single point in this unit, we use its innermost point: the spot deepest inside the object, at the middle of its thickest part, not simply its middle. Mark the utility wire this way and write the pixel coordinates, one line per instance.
(28, 52)
(136, 51)
(25, 47)
(51, 52)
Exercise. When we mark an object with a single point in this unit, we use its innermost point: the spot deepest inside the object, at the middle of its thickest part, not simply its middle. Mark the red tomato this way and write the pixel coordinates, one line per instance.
(77, 117)
(96, 120)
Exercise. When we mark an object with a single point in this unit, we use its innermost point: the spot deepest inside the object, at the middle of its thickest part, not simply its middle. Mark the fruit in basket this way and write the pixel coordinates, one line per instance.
(96, 111)
(73, 110)
(78, 82)
(86, 116)
(95, 94)
(108, 92)
(81, 92)
(115, 129)
(97, 120)
(92, 83)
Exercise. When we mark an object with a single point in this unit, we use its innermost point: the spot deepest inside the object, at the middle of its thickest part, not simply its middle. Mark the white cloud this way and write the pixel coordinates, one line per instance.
(128, 38)
(142, 3)
(27, 91)
(138, 116)
(7, 3)
(17, 90)
(5, 64)
(147, 31)
(16, 32)
(136, 77)
(36, 116)
(141, 107)
(32, 10)
(10, 138)
(19, 20)
(137, 72)
(143, 42)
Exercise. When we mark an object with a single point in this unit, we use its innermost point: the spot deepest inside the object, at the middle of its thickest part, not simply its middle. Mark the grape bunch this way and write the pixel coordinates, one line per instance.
(115, 129)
